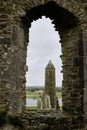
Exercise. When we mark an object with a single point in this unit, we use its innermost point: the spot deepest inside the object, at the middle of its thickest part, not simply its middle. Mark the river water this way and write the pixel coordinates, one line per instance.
(33, 102)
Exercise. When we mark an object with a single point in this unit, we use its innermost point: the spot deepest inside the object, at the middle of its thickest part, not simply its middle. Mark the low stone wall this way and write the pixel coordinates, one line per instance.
(43, 120)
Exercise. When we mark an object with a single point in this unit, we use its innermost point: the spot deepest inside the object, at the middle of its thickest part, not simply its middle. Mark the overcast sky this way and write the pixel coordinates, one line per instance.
(43, 46)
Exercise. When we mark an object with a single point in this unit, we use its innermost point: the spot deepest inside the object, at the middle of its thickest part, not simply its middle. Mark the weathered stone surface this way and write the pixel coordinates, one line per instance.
(50, 85)
(70, 19)
(44, 120)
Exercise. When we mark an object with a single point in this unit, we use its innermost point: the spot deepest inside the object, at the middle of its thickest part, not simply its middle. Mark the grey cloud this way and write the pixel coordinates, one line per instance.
(43, 47)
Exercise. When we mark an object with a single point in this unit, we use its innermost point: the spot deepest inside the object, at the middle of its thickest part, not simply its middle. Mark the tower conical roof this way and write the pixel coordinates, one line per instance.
(50, 65)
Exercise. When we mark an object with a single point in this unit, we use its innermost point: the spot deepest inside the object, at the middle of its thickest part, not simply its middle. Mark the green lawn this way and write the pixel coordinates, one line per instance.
(31, 108)
(34, 95)
(30, 94)
(59, 94)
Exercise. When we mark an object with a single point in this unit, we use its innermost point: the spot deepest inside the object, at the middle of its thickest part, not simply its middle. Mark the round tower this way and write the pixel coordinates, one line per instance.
(50, 83)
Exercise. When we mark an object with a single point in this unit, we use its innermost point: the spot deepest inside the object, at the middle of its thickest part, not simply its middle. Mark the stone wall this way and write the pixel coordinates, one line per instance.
(73, 73)
(43, 120)
(70, 19)
(9, 88)
(10, 64)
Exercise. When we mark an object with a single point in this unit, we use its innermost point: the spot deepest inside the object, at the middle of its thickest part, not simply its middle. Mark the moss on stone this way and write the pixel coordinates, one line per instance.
(3, 117)
(15, 121)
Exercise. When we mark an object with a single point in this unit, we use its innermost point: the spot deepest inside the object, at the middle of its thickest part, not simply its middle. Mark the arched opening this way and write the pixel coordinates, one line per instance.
(70, 34)
(43, 46)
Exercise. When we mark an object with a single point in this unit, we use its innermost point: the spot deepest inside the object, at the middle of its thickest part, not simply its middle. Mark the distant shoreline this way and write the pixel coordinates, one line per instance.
(34, 88)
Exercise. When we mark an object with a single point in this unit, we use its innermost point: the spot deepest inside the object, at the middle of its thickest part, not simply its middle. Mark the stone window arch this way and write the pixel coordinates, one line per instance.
(70, 20)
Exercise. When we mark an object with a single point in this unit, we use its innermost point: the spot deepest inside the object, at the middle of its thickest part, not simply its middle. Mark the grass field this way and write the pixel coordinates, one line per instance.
(59, 94)
(30, 94)
(34, 95)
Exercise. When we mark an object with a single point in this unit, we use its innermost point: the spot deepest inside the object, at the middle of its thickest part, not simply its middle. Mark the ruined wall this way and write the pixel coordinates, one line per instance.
(43, 120)
(73, 83)
(11, 71)
(70, 19)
